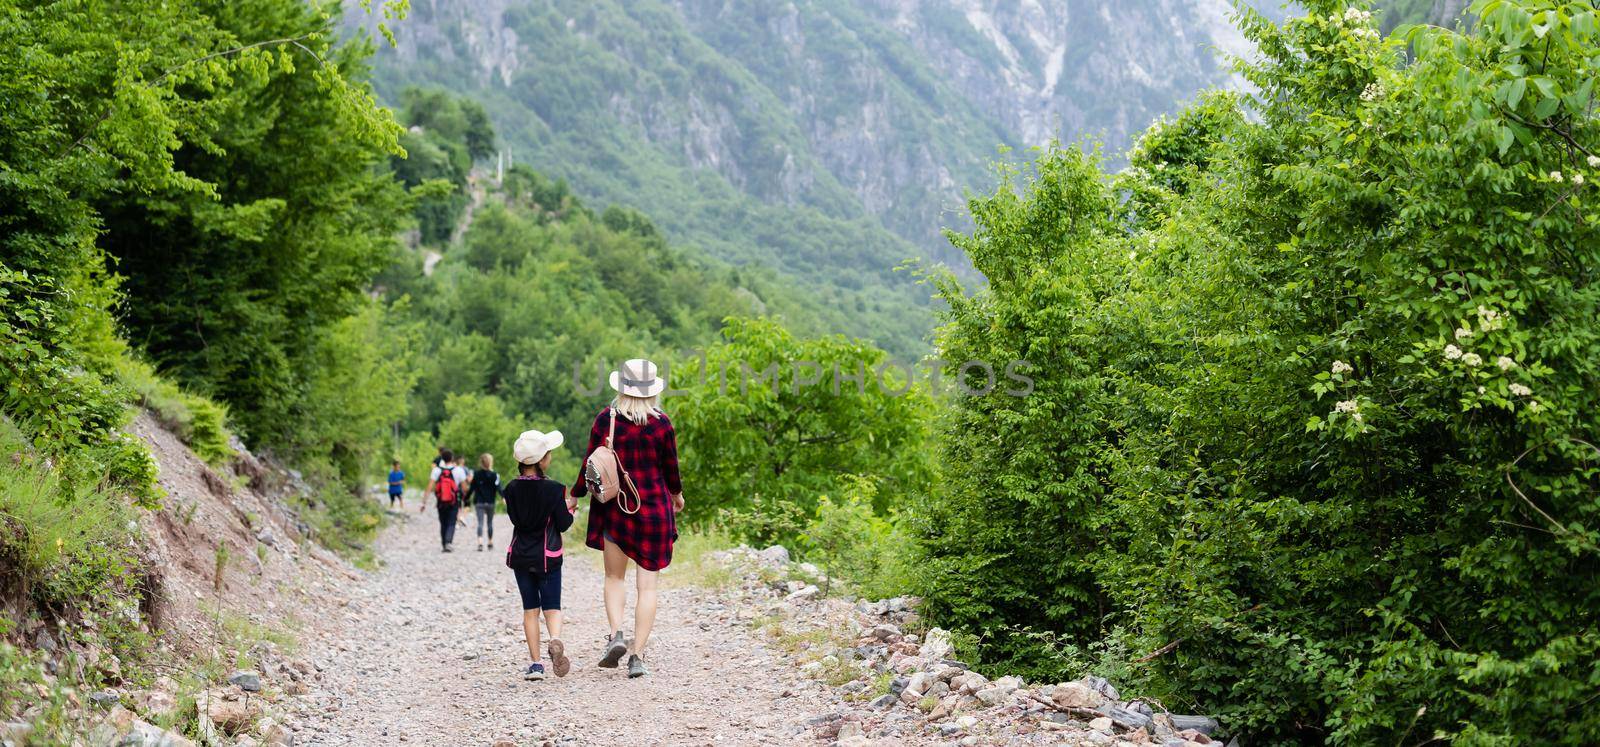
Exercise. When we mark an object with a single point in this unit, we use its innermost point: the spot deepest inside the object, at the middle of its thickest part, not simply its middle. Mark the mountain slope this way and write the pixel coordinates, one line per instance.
(828, 139)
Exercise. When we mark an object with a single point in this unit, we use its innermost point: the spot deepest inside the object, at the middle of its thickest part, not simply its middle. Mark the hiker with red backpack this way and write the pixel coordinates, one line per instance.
(540, 511)
(631, 473)
(446, 484)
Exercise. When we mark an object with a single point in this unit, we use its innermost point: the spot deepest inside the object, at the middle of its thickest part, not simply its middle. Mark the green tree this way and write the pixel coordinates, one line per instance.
(279, 222)
(478, 424)
(1331, 390)
(769, 423)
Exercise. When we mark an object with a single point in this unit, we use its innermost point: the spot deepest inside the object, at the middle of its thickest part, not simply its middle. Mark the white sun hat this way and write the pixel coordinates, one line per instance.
(531, 446)
(637, 378)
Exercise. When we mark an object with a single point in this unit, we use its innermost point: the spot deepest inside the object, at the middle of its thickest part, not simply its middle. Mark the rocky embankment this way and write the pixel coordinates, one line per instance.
(896, 687)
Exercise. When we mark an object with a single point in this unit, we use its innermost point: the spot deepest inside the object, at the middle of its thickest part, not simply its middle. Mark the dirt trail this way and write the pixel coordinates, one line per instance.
(429, 652)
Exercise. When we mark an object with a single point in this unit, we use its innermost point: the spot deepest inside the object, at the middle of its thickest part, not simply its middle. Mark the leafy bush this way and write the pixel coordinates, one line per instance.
(1314, 404)
(68, 545)
(763, 435)
(852, 541)
(198, 421)
(343, 520)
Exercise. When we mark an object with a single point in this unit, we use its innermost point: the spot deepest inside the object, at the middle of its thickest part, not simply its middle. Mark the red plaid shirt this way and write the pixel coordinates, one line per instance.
(649, 453)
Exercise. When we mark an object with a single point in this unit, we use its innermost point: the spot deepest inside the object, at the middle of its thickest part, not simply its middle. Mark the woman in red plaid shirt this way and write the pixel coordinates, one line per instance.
(647, 448)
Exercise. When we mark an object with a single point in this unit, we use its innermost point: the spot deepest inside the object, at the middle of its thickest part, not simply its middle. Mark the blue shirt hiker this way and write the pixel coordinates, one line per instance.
(397, 485)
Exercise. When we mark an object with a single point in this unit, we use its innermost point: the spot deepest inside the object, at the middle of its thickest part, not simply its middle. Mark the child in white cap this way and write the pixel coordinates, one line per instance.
(540, 511)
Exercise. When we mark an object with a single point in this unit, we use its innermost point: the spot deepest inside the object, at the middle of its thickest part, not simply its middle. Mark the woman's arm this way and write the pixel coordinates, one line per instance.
(667, 453)
(596, 437)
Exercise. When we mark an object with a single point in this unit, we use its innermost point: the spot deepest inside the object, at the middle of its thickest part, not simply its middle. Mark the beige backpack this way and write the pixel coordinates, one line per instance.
(605, 475)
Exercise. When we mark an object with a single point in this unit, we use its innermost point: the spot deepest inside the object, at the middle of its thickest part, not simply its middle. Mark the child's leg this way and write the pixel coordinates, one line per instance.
(615, 592)
(530, 630)
(550, 597)
(550, 600)
(528, 589)
(644, 609)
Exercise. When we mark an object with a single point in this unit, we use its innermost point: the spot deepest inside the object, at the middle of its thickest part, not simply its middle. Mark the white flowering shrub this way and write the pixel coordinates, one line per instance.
(1315, 401)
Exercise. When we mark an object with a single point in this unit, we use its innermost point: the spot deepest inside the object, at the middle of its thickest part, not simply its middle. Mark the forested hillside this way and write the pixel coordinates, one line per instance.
(828, 140)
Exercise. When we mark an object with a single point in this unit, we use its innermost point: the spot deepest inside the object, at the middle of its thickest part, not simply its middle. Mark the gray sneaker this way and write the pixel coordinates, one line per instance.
(636, 667)
(616, 646)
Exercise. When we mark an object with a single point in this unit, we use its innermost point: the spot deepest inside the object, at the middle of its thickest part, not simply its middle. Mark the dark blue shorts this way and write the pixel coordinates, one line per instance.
(540, 591)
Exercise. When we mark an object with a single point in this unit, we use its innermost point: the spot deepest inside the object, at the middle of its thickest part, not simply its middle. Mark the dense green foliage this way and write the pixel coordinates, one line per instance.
(771, 423)
(198, 185)
(234, 273)
(1315, 406)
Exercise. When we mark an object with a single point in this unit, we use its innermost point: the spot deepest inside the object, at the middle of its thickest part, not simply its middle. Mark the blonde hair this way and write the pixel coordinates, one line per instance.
(486, 461)
(637, 409)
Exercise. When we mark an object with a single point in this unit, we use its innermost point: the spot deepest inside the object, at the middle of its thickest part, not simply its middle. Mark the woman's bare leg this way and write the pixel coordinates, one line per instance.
(530, 631)
(552, 622)
(644, 609)
(615, 591)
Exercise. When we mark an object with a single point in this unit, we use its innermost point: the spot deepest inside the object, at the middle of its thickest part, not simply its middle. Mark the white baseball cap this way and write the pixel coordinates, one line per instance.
(531, 446)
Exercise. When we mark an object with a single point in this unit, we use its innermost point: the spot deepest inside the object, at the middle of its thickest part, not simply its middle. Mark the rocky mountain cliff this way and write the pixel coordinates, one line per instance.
(829, 139)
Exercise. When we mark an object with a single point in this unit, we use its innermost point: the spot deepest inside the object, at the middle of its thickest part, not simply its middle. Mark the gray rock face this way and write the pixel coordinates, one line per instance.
(883, 108)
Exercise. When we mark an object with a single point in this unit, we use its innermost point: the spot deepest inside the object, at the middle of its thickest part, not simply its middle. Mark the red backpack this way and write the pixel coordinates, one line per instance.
(447, 489)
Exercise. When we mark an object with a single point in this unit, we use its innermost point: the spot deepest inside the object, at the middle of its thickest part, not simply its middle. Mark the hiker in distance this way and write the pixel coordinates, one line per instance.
(397, 486)
(540, 511)
(484, 487)
(445, 484)
(630, 473)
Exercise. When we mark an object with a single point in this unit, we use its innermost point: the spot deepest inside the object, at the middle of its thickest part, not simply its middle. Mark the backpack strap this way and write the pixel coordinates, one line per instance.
(611, 432)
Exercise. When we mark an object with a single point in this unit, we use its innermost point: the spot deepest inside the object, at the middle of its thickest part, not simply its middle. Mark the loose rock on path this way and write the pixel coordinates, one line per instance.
(429, 651)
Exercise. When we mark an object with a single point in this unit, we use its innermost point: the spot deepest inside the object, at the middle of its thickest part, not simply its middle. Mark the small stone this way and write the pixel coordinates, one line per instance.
(247, 680)
(991, 696)
(231, 716)
(776, 555)
(1102, 686)
(1203, 724)
(1076, 695)
(1127, 717)
(850, 729)
(884, 701)
(1102, 724)
(919, 683)
(804, 594)
(885, 632)
(504, 743)
(104, 698)
(949, 728)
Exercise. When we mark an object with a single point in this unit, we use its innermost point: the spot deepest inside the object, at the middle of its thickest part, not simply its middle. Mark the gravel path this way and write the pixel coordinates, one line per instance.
(429, 652)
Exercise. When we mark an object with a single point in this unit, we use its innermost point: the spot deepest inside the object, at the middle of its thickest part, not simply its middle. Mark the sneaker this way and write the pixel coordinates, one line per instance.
(446, 549)
(636, 667)
(535, 671)
(480, 547)
(559, 663)
(616, 646)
